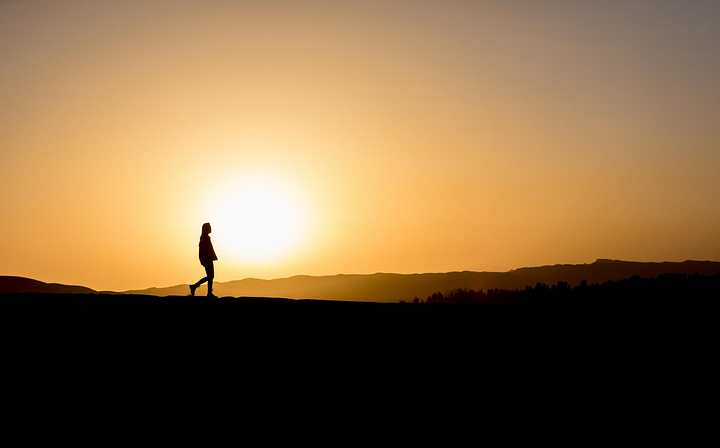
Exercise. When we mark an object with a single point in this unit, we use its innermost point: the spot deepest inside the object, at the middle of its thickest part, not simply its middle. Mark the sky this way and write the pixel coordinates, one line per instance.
(329, 137)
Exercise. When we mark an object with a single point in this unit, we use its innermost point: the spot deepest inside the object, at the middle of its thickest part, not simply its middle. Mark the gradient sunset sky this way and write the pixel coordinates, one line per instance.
(327, 137)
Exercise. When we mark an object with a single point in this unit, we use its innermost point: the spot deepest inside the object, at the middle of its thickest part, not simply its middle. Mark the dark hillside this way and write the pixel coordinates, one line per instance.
(666, 289)
(382, 287)
(10, 284)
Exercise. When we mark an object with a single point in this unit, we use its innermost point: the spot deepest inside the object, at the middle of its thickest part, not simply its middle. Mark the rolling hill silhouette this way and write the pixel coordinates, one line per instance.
(382, 287)
(10, 284)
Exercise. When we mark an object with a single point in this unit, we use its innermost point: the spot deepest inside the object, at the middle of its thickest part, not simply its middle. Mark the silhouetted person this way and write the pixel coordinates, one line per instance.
(207, 256)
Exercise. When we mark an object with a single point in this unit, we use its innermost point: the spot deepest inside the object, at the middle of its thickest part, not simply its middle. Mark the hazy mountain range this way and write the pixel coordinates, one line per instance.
(382, 287)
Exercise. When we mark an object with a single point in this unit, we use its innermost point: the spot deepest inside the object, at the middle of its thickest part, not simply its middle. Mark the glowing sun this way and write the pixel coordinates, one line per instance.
(258, 220)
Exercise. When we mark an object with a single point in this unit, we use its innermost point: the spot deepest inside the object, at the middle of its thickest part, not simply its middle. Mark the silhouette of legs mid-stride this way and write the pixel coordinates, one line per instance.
(209, 276)
(207, 256)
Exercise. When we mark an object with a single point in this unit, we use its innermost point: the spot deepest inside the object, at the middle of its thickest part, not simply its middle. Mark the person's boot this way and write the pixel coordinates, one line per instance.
(192, 289)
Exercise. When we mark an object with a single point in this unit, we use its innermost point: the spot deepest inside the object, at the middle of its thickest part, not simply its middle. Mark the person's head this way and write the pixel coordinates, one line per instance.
(206, 229)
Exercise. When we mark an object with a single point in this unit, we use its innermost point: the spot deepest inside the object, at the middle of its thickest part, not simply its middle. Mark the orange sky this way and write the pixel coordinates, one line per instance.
(393, 136)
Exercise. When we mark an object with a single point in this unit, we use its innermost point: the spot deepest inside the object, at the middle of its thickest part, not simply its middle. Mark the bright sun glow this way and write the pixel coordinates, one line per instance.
(257, 220)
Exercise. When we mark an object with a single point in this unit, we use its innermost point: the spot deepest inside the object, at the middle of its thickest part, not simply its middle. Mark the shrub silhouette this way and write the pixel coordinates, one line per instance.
(666, 288)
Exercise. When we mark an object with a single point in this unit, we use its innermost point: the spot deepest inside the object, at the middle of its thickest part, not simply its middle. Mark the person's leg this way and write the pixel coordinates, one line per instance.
(210, 271)
(195, 286)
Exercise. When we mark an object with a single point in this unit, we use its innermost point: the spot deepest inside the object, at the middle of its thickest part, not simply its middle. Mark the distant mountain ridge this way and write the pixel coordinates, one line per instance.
(382, 287)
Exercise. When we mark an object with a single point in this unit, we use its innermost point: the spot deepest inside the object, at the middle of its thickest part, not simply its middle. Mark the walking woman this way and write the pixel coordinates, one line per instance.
(207, 256)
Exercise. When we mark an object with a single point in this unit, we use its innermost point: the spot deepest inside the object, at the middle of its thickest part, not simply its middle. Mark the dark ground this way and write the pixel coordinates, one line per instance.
(24, 300)
(255, 320)
(113, 340)
(626, 302)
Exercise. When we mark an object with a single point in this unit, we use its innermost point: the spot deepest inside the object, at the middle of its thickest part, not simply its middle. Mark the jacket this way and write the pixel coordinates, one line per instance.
(206, 253)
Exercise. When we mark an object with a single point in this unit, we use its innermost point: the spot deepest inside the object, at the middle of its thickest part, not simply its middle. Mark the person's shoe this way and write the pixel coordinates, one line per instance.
(212, 296)
(192, 290)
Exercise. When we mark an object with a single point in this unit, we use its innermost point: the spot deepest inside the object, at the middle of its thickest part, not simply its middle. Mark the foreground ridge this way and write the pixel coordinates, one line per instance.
(388, 287)
(636, 290)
